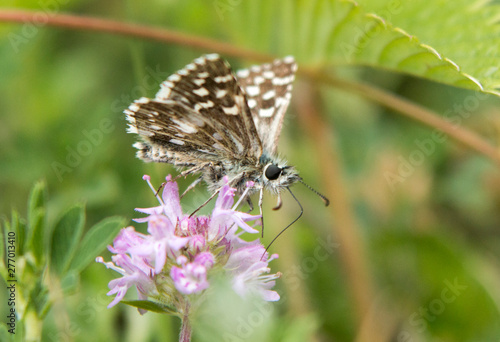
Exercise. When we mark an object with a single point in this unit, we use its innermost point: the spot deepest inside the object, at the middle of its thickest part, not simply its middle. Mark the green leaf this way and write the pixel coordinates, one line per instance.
(36, 221)
(468, 35)
(96, 239)
(4, 334)
(70, 281)
(149, 306)
(37, 241)
(344, 32)
(19, 229)
(39, 298)
(65, 238)
(37, 199)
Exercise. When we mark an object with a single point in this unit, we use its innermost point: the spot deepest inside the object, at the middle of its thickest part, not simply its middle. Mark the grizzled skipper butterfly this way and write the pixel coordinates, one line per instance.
(217, 123)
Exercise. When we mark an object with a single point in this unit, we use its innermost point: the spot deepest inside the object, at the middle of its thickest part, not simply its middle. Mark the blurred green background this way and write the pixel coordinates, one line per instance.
(429, 240)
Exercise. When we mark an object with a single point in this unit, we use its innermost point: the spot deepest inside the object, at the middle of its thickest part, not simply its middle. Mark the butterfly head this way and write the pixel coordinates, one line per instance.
(277, 176)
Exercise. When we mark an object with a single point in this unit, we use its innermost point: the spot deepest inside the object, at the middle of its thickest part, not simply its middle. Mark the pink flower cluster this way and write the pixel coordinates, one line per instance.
(180, 252)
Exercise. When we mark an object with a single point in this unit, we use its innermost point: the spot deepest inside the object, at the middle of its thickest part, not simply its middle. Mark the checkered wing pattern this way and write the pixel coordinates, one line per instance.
(268, 88)
(199, 114)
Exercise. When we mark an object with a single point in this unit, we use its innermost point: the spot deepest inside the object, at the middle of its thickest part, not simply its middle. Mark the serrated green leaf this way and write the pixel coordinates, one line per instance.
(468, 35)
(344, 32)
(148, 305)
(65, 238)
(96, 239)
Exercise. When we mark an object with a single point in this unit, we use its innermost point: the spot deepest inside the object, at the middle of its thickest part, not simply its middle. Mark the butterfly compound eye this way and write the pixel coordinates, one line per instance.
(273, 172)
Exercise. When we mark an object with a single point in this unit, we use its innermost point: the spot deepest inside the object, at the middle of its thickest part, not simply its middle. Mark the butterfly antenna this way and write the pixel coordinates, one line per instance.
(161, 187)
(301, 212)
(326, 200)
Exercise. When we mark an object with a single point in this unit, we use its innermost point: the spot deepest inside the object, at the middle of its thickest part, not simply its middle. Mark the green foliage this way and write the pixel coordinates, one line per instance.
(95, 241)
(149, 306)
(65, 237)
(393, 35)
(25, 248)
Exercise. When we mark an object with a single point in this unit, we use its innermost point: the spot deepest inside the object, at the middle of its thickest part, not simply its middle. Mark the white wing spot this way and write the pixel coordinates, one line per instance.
(201, 91)
(243, 73)
(199, 81)
(268, 74)
(200, 61)
(212, 56)
(217, 136)
(196, 120)
(283, 80)
(174, 78)
(206, 151)
(203, 74)
(200, 105)
(176, 141)
(289, 60)
(252, 103)
(238, 144)
(183, 72)
(223, 79)
(154, 127)
(253, 90)
(190, 66)
(220, 93)
(255, 68)
(266, 113)
(184, 127)
(132, 129)
(269, 95)
(259, 80)
(133, 107)
(231, 110)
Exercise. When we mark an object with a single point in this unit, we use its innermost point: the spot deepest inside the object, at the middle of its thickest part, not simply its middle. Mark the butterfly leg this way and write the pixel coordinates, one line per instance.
(250, 204)
(261, 199)
(192, 170)
(205, 203)
(192, 185)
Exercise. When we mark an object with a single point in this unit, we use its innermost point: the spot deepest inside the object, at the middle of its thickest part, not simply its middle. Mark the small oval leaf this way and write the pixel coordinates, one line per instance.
(96, 239)
(65, 238)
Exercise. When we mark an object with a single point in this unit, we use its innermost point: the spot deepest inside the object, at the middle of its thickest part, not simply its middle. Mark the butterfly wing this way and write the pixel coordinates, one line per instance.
(268, 88)
(199, 114)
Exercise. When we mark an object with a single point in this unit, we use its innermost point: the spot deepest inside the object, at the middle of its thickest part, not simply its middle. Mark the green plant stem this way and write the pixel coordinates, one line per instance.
(413, 111)
(345, 228)
(400, 105)
(185, 335)
(133, 30)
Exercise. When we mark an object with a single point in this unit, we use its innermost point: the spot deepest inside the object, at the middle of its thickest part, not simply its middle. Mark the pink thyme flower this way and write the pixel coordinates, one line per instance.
(180, 252)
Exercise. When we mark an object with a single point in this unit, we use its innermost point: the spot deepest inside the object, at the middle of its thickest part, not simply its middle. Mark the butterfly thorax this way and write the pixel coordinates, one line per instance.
(270, 173)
